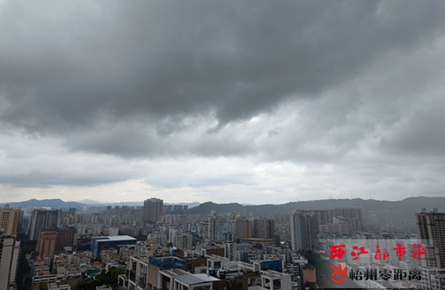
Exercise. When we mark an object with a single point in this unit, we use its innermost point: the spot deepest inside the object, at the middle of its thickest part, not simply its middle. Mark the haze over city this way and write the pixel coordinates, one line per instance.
(221, 101)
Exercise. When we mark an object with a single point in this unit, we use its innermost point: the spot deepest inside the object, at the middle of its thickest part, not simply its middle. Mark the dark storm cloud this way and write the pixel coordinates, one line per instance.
(65, 66)
(422, 135)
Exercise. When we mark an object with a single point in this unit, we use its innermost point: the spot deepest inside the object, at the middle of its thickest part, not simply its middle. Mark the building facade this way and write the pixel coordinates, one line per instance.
(41, 219)
(212, 227)
(243, 228)
(9, 219)
(304, 230)
(9, 254)
(98, 243)
(431, 229)
(263, 228)
(46, 243)
(153, 209)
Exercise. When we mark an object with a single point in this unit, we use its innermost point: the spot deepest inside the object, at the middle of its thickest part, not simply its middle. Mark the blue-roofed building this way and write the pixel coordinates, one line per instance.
(99, 243)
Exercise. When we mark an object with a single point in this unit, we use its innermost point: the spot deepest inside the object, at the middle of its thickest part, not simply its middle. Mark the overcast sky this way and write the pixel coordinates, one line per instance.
(224, 101)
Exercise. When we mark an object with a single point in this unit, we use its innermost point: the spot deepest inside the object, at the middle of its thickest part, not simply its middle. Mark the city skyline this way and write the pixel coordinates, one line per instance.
(196, 102)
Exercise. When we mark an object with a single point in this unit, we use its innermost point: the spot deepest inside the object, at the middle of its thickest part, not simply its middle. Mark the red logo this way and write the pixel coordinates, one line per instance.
(340, 271)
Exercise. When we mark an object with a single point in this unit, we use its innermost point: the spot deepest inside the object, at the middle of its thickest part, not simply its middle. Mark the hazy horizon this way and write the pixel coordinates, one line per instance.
(105, 203)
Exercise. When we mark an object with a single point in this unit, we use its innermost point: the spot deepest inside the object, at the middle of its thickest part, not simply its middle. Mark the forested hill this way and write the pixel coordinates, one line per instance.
(409, 206)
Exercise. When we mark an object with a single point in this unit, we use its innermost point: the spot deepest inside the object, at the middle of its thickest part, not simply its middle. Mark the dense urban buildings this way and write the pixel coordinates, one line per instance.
(223, 240)
(121, 233)
(352, 215)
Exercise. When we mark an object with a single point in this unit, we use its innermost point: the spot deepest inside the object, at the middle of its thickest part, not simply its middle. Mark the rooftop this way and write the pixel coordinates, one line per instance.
(190, 279)
(114, 238)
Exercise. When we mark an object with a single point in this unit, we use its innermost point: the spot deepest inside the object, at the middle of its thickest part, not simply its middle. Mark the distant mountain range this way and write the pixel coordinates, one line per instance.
(52, 203)
(58, 203)
(408, 206)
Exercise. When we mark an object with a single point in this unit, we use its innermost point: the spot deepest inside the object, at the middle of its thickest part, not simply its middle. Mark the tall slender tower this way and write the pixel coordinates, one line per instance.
(304, 229)
(212, 227)
(9, 255)
(431, 229)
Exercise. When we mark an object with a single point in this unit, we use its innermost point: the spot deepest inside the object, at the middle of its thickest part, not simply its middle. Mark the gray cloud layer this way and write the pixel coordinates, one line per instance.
(342, 82)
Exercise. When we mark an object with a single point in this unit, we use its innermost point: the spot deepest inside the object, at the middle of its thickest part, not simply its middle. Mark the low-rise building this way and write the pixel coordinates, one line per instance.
(99, 243)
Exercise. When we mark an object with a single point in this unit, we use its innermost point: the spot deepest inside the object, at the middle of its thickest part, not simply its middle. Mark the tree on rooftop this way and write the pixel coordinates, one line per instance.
(231, 284)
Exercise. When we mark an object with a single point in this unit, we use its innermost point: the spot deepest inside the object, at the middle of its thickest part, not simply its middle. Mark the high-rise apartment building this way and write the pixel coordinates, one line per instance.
(9, 219)
(243, 227)
(41, 219)
(230, 251)
(431, 229)
(263, 228)
(304, 230)
(212, 227)
(183, 241)
(9, 255)
(72, 211)
(323, 216)
(67, 237)
(46, 243)
(230, 227)
(153, 209)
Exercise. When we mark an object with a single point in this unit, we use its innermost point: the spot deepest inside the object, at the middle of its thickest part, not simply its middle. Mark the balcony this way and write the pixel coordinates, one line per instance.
(142, 283)
(132, 276)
